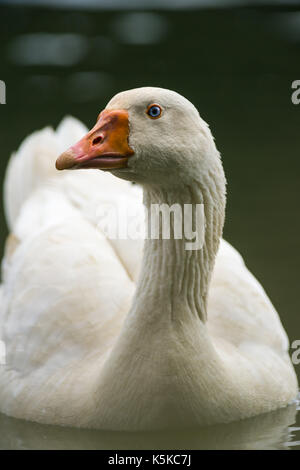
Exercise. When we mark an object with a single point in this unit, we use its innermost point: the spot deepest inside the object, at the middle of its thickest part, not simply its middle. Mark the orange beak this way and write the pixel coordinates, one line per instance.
(105, 147)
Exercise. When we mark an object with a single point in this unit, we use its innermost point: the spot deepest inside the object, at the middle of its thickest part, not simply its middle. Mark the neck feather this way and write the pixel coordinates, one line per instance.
(174, 281)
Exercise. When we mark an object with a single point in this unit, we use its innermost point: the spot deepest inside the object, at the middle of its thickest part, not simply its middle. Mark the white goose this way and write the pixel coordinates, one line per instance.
(201, 342)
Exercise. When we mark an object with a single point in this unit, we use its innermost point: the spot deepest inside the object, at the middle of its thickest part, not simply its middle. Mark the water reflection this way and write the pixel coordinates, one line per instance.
(140, 28)
(48, 49)
(128, 4)
(269, 431)
(85, 86)
(287, 23)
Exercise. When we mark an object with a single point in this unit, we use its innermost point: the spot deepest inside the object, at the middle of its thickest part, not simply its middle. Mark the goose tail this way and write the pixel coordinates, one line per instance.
(33, 164)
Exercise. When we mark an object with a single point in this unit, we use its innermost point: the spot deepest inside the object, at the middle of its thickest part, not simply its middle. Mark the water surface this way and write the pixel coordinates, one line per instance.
(275, 430)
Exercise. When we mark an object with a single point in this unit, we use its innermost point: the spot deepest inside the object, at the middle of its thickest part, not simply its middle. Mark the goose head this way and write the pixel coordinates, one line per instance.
(147, 135)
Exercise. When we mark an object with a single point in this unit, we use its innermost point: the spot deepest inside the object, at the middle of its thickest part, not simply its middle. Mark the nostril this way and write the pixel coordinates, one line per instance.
(97, 140)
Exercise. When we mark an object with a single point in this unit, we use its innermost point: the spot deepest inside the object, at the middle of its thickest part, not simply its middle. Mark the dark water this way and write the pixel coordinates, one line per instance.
(236, 66)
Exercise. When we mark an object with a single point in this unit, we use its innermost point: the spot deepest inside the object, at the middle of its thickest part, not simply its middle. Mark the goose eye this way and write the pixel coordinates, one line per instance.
(154, 111)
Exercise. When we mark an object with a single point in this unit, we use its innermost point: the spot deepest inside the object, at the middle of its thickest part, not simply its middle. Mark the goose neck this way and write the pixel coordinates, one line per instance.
(176, 272)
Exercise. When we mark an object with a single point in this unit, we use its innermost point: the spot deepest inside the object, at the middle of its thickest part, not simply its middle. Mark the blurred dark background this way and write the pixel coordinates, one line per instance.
(235, 61)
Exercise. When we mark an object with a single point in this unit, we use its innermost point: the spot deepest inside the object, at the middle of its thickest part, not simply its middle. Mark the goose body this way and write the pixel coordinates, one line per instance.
(102, 333)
